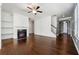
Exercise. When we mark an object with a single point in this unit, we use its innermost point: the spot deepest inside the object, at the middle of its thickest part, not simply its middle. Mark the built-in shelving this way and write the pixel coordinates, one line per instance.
(6, 25)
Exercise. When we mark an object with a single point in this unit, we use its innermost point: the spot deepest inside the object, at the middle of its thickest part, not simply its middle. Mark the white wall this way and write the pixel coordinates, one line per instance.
(20, 22)
(54, 20)
(0, 25)
(43, 27)
(54, 23)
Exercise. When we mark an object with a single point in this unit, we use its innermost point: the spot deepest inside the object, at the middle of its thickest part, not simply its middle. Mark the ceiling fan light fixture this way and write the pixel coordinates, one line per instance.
(34, 8)
(34, 11)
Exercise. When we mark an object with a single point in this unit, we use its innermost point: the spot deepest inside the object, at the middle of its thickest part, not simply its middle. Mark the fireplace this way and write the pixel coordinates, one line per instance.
(21, 33)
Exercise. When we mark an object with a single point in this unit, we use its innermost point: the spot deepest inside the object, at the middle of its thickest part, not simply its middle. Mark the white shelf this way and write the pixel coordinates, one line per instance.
(20, 27)
(7, 21)
(6, 33)
(6, 27)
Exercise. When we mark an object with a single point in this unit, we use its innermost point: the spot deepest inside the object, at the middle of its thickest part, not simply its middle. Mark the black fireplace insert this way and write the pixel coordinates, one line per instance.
(21, 33)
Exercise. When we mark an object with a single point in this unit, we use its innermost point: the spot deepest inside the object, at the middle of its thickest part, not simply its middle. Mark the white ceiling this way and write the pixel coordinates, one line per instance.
(48, 8)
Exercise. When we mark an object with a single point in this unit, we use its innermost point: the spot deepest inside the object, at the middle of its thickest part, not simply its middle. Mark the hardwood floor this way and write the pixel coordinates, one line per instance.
(41, 45)
(7, 42)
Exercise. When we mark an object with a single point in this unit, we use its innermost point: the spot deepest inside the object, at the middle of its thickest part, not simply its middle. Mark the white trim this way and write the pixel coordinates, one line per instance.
(65, 18)
(75, 45)
(45, 35)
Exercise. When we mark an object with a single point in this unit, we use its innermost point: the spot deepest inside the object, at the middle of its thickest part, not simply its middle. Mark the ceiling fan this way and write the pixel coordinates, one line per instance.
(34, 8)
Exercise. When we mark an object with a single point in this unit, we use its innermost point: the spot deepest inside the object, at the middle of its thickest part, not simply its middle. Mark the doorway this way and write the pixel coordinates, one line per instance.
(31, 26)
(64, 27)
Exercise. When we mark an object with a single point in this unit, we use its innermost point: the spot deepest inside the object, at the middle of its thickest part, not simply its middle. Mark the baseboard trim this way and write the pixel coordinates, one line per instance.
(45, 36)
(75, 45)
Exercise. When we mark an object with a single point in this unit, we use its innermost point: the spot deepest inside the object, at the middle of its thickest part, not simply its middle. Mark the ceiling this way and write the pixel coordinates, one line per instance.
(48, 9)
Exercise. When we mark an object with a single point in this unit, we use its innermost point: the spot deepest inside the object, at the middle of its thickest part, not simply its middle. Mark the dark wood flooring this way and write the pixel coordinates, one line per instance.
(41, 45)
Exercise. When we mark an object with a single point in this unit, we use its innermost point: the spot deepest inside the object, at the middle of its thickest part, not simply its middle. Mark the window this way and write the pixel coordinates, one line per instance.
(77, 21)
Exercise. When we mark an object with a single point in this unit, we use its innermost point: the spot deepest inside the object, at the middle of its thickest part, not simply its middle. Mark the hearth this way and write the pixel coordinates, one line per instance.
(21, 33)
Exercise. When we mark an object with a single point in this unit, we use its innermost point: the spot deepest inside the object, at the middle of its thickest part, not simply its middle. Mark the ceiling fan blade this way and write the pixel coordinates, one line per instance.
(40, 11)
(29, 8)
(38, 7)
(29, 11)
